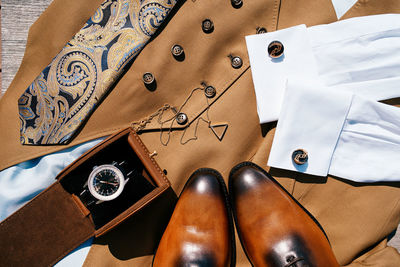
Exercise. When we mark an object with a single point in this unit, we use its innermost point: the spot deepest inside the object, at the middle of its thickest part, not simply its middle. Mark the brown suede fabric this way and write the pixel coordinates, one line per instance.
(44, 230)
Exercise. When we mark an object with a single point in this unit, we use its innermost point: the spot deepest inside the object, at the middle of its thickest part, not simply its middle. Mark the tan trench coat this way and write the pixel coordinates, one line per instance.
(356, 217)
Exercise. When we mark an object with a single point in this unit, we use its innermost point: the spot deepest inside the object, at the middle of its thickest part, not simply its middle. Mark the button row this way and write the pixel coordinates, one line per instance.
(177, 52)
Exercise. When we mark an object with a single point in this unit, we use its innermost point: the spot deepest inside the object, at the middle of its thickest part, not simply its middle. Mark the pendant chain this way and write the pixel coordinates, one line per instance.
(141, 125)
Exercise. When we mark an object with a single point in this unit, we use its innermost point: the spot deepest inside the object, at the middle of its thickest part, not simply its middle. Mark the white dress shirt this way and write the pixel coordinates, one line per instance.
(323, 93)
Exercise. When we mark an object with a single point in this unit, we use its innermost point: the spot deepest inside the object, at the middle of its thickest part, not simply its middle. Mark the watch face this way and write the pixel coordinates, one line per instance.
(106, 182)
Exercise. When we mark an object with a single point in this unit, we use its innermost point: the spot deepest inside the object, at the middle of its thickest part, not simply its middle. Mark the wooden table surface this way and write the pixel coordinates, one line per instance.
(16, 18)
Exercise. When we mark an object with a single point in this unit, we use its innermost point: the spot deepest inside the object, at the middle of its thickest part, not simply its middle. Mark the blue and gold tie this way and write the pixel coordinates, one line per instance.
(65, 93)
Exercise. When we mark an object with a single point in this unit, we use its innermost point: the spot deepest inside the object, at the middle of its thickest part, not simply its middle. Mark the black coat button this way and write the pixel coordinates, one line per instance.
(260, 30)
(237, 3)
(300, 156)
(181, 118)
(236, 62)
(177, 50)
(207, 25)
(148, 78)
(275, 49)
(210, 91)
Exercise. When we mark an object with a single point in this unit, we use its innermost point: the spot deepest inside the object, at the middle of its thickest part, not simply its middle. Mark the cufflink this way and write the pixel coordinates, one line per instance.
(300, 156)
(275, 49)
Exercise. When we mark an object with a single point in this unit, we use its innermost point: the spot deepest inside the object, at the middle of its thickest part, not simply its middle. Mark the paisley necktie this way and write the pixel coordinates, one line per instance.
(65, 93)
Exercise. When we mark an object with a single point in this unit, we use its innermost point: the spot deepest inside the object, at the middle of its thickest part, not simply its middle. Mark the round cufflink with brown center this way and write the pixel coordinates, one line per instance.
(300, 156)
(275, 49)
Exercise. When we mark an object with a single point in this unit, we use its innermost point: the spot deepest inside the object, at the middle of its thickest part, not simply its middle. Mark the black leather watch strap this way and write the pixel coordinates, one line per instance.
(87, 198)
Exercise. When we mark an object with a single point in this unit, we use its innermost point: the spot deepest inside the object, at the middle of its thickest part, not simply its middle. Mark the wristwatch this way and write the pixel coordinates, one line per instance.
(105, 183)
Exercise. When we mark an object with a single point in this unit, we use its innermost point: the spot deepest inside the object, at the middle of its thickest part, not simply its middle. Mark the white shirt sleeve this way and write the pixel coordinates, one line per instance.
(363, 52)
(328, 108)
(345, 135)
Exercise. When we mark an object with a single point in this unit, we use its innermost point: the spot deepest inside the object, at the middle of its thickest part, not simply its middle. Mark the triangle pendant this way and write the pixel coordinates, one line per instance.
(220, 133)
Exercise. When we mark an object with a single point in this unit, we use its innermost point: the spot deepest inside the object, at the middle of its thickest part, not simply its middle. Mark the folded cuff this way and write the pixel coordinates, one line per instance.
(311, 119)
(270, 75)
(345, 135)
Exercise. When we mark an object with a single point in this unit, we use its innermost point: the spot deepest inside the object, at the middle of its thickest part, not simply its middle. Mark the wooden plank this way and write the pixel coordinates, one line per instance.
(17, 17)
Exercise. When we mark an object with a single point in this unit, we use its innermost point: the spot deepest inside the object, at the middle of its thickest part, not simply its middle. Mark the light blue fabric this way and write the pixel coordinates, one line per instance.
(77, 257)
(22, 182)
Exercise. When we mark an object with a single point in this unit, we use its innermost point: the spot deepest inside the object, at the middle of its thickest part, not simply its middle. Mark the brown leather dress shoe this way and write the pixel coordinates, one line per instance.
(200, 231)
(274, 229)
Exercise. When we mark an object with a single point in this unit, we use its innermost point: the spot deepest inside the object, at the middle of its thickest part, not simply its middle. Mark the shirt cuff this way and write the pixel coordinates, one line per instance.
(270, 75)
(368, 149)
(311, 119)
(344, 135)
(361, 52)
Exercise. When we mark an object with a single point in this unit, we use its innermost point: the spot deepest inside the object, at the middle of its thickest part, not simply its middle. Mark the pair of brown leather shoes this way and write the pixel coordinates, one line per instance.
(274, 229)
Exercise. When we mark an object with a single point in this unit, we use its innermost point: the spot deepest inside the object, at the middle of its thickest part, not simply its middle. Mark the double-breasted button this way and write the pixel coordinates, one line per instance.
(237, 3)
(210, 91)
(236, 62)
(177, 50)
(275, 49)
(181, 118)
(260, 30)
(207, 25)
(148, 78)
(300, 156)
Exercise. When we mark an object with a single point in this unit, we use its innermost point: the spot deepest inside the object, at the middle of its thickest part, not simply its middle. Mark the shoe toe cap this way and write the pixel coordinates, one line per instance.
(205, 181)
(244, 177)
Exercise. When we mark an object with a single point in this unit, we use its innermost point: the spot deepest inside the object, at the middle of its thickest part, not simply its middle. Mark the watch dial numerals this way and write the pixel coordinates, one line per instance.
(106, 182)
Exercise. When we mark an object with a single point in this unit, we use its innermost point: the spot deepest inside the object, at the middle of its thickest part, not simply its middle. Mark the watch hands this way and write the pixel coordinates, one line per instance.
(105, 182)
